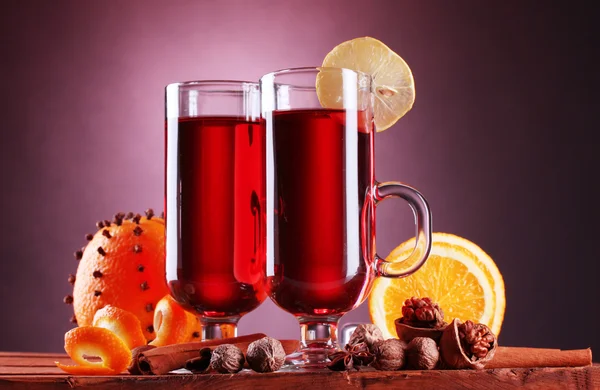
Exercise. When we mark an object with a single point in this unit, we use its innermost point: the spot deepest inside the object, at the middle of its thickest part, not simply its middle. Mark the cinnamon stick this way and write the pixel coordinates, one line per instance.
(161, 360)
(522, 357)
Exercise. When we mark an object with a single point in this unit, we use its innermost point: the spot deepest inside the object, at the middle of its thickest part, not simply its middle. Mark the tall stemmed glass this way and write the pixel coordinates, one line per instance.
(321, 198)
(214, 195)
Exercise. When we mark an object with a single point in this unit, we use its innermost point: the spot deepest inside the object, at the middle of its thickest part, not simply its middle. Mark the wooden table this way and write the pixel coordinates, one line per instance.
(37, 371)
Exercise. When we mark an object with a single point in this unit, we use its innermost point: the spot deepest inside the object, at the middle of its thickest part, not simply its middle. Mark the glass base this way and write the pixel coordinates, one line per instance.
(219, 328)
(319, 340)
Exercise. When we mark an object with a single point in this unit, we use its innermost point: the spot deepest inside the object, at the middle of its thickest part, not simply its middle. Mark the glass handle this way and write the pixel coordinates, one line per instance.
(422, 214)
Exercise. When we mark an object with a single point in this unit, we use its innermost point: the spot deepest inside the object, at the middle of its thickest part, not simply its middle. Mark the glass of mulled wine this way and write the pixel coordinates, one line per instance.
(320, 202)
(214, 201)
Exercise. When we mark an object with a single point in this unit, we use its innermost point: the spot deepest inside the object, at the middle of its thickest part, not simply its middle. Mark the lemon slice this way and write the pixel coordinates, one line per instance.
(458, 275)
(393, 85)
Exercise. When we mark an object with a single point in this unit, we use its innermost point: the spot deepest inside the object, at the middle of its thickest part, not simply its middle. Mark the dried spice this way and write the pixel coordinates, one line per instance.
(118, 218)
(149, 214)
(265, 355)
(135, 353)
(422, 354)
(68, 299)
(101, 251)
(389, 355)
(71, 279)
(227, 359)
(351, 357)
(200, 363)
(340, 361)
(467, 345)
(106, 233)
(369, 334)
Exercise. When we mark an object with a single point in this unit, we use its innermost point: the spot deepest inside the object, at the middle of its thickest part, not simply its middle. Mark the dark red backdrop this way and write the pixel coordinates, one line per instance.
(500, 140)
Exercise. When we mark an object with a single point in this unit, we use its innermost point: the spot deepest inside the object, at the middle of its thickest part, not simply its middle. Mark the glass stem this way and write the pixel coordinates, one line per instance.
(318, 339)
(213, 329)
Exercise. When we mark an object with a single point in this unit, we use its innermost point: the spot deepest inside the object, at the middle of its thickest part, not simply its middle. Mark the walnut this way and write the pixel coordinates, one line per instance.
(422, 354)
(421, 317)
(476, 339)
(369, 334)
(265, 355)
(389, 355)
(467, 345)
(422, 313)
(227, 359)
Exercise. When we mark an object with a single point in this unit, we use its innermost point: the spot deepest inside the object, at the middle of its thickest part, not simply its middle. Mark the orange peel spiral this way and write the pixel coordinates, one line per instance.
(93, 341)
(122, 323)
(172, 324)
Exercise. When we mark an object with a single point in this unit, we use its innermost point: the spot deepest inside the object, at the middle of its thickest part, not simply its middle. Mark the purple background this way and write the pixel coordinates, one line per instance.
(500, 139)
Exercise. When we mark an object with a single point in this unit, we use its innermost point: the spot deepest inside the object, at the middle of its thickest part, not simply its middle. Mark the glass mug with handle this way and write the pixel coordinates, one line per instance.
(320, 202)
(214, 191)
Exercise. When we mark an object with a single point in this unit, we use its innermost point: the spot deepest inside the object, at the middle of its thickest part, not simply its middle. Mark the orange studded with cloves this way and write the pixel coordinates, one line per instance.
(123, 265)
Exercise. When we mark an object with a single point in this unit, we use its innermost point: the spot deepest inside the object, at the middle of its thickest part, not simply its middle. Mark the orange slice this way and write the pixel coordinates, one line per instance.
(122, 323)
(91, 341)
(458, 275)
(393, 85)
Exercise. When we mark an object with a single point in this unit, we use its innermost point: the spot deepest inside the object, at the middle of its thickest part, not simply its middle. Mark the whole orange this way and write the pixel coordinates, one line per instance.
(123, 265)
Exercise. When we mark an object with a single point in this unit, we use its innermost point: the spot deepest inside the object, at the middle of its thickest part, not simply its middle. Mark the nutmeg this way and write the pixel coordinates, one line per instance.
(265, 355)
(227, 359)
(369, 334)
(389, 355)
(422, 354)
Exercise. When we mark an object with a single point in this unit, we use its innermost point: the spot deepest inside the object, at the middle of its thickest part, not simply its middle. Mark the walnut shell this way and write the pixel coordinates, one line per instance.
(265, 355)
(227, 359)
(422, 354)
(453, 354)
(389, 355)
(407, 333)
(369, 334)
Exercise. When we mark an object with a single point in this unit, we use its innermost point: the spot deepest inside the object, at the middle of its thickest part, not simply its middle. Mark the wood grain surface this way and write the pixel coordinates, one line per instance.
(37, 371)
